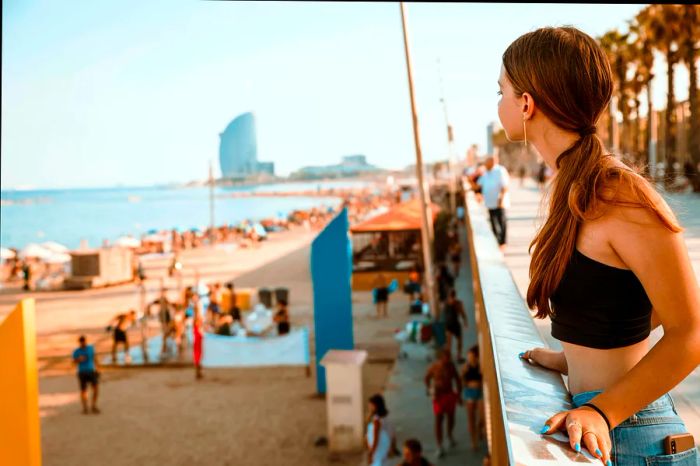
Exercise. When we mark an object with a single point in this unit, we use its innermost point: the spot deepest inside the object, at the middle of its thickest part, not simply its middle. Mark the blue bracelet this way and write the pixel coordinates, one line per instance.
(599, 411)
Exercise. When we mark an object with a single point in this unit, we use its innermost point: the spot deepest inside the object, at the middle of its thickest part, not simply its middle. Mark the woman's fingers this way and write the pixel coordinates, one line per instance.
(594, 446)
(554, 423)
(573, 428)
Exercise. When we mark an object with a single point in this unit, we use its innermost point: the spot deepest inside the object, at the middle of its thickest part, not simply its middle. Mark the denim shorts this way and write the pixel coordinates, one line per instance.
(639, 440)
(472, 394)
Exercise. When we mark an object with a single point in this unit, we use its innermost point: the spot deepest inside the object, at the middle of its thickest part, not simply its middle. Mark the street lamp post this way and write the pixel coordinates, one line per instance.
(426, 214)
(450, 148)
(212, 232)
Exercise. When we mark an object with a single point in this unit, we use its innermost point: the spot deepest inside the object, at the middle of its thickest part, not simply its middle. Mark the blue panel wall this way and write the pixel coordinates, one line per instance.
(331, 273)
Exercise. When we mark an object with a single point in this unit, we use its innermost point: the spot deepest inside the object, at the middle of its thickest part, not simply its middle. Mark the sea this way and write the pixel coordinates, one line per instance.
(70, 216)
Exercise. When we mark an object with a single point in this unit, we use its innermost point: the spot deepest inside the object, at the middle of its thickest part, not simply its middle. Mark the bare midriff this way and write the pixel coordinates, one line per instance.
(597, 369)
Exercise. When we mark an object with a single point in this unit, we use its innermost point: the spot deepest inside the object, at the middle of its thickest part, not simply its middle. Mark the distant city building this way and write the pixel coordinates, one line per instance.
(350, 165)
(238, 151)
(266, 167)
(490, 129)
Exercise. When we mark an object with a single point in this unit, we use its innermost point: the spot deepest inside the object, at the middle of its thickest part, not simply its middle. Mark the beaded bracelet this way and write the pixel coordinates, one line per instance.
(599, 411)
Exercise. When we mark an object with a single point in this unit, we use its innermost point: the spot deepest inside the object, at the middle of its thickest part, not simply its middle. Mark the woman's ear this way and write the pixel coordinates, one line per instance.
(528, 106)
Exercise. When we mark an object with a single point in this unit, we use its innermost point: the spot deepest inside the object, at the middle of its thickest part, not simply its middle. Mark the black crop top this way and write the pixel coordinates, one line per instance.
(472, 374)
(599, 306)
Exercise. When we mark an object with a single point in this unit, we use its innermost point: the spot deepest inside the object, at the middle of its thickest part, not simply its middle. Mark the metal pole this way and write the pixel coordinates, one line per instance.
(426, 214)
(212, 233)
(450, 147)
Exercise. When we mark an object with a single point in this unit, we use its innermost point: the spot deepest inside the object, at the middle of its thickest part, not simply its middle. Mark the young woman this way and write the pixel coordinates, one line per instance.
(610, 258)
(472, 393)
(380, 437)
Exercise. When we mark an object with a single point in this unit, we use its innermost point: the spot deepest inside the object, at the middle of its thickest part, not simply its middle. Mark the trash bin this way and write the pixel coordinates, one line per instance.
(344, 399)
(282, 294)
(265, 297)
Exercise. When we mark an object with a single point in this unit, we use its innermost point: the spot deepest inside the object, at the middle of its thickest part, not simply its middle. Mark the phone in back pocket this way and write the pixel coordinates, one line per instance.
(678, 443)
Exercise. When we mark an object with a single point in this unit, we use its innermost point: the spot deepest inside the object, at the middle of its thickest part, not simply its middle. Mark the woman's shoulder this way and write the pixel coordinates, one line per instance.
(628, 198)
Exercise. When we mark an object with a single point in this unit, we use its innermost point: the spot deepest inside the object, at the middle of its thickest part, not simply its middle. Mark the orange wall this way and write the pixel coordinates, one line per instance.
(20, 439)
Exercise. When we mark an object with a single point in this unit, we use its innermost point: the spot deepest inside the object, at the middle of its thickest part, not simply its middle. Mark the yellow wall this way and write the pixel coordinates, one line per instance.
(20, 441)
(364, 281)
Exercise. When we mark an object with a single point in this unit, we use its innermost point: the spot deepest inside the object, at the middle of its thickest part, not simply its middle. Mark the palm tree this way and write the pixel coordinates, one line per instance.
(617, 49)
(644, 64)
(662, 25)
(689, 44)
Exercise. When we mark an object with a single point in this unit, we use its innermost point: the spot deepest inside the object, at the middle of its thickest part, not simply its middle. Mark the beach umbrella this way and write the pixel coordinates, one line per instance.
(128, 242)
(260, 230)
(6, 254)
(54, 247)
(152, 231)
(58, 258)
(35, 251)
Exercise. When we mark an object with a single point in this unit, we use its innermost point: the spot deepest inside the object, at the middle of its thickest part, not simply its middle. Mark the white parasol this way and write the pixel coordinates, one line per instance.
(128, 242)
(54, 247)
(58, 258)
(6, 254)
(34, 250)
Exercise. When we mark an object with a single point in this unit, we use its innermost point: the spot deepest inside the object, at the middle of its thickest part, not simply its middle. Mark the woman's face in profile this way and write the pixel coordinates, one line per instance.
(509, 109)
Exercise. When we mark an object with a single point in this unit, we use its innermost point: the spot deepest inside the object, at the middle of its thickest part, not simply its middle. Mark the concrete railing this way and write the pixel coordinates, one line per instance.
(518, 397)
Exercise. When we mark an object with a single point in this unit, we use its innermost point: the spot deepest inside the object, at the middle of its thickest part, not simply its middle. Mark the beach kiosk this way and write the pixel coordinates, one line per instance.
(389, 243)
(92, 268)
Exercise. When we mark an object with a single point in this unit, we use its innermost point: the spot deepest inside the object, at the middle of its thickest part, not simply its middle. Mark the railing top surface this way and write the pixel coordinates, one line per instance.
(529, 394)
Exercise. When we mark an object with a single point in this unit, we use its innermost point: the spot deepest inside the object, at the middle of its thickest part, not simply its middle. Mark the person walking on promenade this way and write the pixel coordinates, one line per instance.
(494, 187)
(445, 282)
(445, 398)
(455, 251)
(454, 317)
(84, 357)
(473, 395)
(413, 454)
(380, 436)
(608, 264)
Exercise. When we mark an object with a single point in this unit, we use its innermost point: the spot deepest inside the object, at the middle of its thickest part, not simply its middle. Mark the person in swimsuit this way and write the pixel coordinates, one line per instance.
(473, 395)
(445, 398)
(165, 317)
(197, 345)
(608, 264)
(119, 326)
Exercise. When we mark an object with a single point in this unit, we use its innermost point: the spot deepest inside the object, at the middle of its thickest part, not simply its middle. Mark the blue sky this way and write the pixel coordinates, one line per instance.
(100, 93)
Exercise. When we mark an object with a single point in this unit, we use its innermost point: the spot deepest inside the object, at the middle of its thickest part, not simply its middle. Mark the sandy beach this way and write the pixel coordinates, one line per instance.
(260, 416)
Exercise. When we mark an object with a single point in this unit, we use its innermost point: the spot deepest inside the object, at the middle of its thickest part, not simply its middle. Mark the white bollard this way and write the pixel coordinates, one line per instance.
(344, 399)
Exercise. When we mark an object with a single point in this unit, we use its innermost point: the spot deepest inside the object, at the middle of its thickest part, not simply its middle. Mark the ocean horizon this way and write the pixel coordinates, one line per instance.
(68, 216)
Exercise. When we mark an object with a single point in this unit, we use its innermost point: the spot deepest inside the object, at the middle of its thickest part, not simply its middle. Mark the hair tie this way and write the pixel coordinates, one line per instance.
(587, 131)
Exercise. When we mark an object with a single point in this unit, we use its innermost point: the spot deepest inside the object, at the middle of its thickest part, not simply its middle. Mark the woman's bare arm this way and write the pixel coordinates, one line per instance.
(658, 257)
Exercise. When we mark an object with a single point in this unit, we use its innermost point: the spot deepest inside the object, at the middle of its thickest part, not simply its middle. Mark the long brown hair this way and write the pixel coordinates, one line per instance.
(569, 78)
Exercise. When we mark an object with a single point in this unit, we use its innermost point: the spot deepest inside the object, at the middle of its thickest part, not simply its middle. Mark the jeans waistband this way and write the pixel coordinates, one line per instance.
(663, 402)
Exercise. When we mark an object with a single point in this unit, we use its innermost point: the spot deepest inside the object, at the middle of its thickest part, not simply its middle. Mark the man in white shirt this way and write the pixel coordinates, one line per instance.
(494, 188)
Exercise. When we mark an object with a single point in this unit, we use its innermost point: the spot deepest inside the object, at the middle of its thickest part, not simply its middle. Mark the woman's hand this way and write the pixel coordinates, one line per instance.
(545, 357)
(584, 425)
